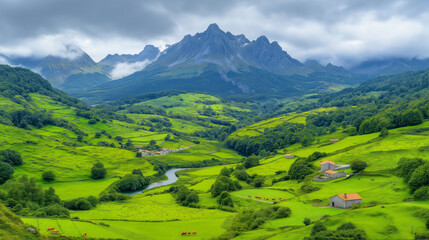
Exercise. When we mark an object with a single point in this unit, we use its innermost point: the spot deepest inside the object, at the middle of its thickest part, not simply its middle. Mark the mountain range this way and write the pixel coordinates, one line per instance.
(213, 61)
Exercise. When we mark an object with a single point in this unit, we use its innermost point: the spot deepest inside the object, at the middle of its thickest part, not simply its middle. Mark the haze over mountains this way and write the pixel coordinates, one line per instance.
(213, 61)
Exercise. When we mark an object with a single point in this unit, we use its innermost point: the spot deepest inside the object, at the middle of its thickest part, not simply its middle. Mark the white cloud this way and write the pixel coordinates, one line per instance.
(3, 60)
(124, 69)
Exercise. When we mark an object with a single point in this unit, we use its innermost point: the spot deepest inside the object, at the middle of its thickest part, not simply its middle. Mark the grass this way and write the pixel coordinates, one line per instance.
(205, 229)
(80, 188)
(148, 208)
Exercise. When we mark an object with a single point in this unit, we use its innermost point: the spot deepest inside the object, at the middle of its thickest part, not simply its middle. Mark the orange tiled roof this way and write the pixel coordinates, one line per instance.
(350, 196)
(327, 161)
(288, 155)
(330, 171)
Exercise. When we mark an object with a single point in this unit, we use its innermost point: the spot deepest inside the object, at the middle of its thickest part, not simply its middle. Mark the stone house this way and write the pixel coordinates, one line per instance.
(345, 200)
(290, 156)
(334, 174)
(334, 140)
(327, 165)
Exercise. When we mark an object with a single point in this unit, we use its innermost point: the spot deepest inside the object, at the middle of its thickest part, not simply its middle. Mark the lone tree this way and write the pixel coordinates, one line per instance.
(307, 221)
(358, 165)
(48, 176)
(6, 172)
(98, 171)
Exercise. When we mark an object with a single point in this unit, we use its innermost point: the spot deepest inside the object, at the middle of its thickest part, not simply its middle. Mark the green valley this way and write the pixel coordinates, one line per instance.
(251, 169)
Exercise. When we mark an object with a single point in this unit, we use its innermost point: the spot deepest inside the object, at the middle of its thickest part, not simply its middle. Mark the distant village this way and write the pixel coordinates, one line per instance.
(163, 151)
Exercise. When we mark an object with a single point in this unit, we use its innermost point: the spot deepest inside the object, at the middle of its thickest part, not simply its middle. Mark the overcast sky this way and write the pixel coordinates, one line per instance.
(340, 31)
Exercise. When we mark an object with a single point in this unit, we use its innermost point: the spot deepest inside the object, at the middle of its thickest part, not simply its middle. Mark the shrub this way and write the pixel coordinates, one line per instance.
(224, 199)
(307, 221)
(241, 175)
(251, 161)
(55, 210)
(420, 177)
(258, 181)
(358, 165)
(283, 212)
(6, 172)
(48, 176)
(422, 236)
(256, 223)
(384, 132)
(225, 172)
(347, 226)
(318, 227)
(422, 193)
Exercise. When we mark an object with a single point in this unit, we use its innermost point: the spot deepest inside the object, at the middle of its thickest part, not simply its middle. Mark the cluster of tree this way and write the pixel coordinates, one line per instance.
(184, 196)
(300, 169)
(241, 174)
(26, 197)
(159, 166)
(415, 172)
(81, 203)
(133, 182)
(156, 124)
(345, 231)
(224, 183)
(98, 171)
(152, 146)
(252, 219)
(225, 200)
(273, 138)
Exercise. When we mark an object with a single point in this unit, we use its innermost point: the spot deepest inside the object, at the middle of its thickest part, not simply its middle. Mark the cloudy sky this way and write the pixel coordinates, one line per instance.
(342, 32)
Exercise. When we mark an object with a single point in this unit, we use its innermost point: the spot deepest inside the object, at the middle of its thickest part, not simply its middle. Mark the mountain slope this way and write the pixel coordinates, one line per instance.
(390, 66)
(219, 62)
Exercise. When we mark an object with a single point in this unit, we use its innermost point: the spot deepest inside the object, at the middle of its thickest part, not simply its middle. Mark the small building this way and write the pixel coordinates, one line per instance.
(334, 140)
(345, 200)
(327, 165)
(290, 156)
(334, 174)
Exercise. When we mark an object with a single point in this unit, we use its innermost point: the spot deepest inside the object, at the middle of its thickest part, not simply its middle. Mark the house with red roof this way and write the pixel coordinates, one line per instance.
(346, 200)
(327, 165)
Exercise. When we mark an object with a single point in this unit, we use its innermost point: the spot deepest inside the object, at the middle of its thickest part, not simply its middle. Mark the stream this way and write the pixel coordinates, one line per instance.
(171, 178)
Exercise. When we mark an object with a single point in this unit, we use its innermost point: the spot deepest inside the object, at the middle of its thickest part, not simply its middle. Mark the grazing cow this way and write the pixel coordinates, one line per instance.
(194, 233)
(189, 233)
(280, 199)
(84, 234)
(184, 233)
(273, 199)
(55, 231)
(50, 229)
(249, 196)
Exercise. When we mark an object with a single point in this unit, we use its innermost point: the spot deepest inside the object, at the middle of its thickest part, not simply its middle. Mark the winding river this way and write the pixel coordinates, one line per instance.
(171, 178)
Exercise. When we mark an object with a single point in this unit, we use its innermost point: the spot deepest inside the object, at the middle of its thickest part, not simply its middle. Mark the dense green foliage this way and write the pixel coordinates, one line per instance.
(345, 231)
(6, 172)
(11, 156)
(98, 171)
(415, 172)
(132, 182)
(222, 184)
(81, 203)
(358, 165)
(48, 176)
(26, 197)
(184, 196)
